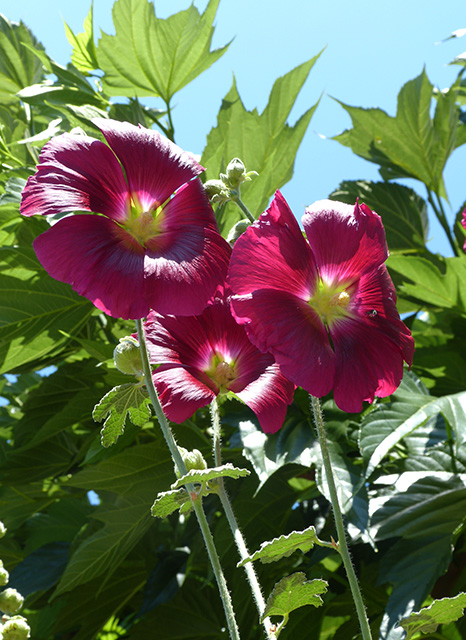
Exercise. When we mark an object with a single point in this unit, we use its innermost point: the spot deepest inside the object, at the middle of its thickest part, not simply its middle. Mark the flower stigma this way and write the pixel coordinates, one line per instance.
(143, 224)
(221, 372)
(330, 302)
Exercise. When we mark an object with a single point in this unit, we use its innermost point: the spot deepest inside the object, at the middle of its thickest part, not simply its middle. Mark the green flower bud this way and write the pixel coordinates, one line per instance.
(4, 575)
(2, 529)
(16, 628)
(235, 172)
(192, 459)
(127, 357)
(238, 229)
(217, 191)
(11, 601)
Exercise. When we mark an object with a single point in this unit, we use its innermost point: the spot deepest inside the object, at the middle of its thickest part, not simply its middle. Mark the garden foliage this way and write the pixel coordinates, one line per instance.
(81, 544)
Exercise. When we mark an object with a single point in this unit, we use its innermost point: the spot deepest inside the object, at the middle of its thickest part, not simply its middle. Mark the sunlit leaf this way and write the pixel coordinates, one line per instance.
(439, 612)
(129, 399)
(293, 592)
(149, 56)
(84, 54)
(169, 501)
(284, 546)
(200, 476)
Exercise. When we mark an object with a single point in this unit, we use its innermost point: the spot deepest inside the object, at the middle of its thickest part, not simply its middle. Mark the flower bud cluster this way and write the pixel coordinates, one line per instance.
(228, 187)
(12, 626)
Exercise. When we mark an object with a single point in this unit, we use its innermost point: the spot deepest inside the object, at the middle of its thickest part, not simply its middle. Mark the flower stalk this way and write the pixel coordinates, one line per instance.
(342, 542)
(197, 503)
(237, 535)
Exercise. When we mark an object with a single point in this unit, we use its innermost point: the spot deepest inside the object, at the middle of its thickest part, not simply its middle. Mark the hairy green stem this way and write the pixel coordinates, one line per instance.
(237, 535)
(342, 543)
(196, 501)
(237, 200)
(442, 218)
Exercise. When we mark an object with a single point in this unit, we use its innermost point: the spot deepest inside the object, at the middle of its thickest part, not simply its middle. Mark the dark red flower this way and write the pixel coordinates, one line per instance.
(325, 307)
(154, 243)
(206, 355)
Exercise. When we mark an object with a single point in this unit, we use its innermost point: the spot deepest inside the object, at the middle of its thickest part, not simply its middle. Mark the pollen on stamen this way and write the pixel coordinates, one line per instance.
(343, 299)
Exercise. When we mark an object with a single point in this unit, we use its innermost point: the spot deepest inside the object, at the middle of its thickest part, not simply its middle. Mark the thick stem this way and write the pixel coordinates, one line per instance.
(196, 502)
(237, 200)
(342, 543)
(442, 218)
(237, 535)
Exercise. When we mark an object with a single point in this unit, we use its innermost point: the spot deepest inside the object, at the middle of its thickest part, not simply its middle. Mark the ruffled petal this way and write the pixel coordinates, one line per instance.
(76, 173)
(180, 393)
(88, 253)
(463, 222)
(178, 340)
(345, 240)
(287, 327)
(368, 364)
(154, 166)
(268, 395)
(273, 254)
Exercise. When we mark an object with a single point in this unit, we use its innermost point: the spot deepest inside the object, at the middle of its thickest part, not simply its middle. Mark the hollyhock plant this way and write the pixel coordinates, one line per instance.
(203, 356)
(154, 242)
(463, 222)
(325, 307)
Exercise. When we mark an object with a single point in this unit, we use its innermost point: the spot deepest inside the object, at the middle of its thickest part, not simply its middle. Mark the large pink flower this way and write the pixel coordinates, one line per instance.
(154, 243)
(206, 355)
(326, 307)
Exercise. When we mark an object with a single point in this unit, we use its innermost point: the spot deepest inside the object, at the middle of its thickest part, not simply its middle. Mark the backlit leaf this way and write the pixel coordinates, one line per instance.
(439, 612)
(293, 592)
(129, 399)
(284, 546)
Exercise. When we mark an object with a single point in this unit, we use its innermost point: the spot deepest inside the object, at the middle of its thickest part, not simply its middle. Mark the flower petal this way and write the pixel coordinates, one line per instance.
(283, 324)
(85, 251)
(345, 240)
(268, 396)
(180, 393)
(154, 166)
(76, 173)
(273, 254)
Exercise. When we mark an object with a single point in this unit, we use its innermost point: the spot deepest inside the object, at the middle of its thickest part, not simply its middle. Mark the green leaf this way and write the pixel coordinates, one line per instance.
(412, 144)
(293, 592)
(439, 612)
(438, 285)
(149, 56)
(403, 211)
(84, 55)
(428, 507)
(412, 567)
(169, 501)
(201, 476)
(35, 309)
(264, 142)
(129, 399)
(384, 427)
(284, 546)
(19, 67)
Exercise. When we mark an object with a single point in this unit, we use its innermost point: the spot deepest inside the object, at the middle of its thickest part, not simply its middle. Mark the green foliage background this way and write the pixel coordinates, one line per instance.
(103, 567)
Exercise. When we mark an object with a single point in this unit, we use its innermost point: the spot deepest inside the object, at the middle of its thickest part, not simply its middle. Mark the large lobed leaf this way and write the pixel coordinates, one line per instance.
(411, 144)
(264, 142)
(149, 56)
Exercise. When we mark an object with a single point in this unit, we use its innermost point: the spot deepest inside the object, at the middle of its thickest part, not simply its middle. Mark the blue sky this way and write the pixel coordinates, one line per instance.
(372, 49)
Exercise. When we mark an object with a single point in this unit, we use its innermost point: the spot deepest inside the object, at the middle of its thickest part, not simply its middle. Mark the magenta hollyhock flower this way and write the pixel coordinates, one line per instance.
(325, 307)
(154, 243)
(203, 356)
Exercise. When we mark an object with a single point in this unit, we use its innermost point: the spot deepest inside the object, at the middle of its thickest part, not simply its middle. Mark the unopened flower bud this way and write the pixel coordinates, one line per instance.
(4, 575)
(11, 601)
(192, 459)
(16, 628)
(235, 172)
(127, 357)
(217, 191)
(238, 229)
